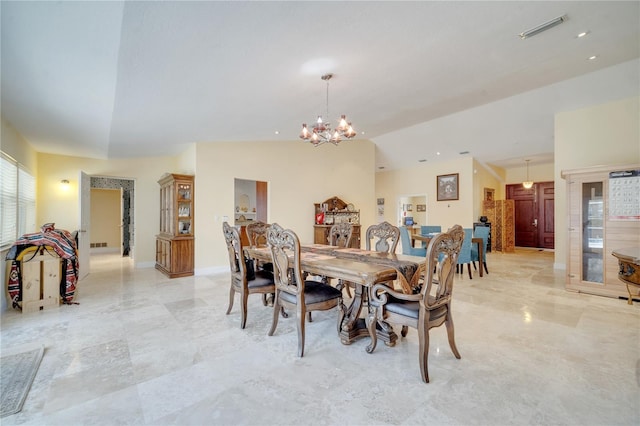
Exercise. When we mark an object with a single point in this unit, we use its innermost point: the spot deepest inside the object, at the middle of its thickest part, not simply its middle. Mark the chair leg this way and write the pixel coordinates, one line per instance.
(243, 309)
(277, 308)
(232, 293)
(423, 351)
(485, 267)
(404, 331)
(474, 266)
(300, 317)
(469, 268)
(451, 335)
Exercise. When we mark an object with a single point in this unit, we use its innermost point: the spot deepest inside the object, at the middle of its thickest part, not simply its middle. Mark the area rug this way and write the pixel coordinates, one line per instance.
(18, 372)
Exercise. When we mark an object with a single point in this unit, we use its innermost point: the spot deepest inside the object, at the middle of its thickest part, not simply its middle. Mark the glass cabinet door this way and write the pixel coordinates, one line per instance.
(184, 208)
(592, 232)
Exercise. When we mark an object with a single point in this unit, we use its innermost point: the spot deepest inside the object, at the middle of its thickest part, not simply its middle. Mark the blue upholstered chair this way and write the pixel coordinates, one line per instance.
(465, 252)
(407, 247)
(480, 232)
(429, 229)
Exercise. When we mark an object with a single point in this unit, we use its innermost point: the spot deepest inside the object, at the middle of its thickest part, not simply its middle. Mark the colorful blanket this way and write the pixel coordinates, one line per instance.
(50, 239)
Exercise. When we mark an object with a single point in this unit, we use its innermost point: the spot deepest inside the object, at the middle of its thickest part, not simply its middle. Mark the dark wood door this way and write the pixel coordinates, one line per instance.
(546, 205)
(534, 217)
(261, 201)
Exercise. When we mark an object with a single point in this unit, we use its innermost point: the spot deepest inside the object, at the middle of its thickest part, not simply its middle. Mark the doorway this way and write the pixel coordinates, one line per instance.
(412, 210)
(534, 214)
(250, 197)
(126, 207)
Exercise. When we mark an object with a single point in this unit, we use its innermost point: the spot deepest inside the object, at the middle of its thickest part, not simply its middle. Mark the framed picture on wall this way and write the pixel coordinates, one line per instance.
(447, 187)
(421, 207)
(489, 193)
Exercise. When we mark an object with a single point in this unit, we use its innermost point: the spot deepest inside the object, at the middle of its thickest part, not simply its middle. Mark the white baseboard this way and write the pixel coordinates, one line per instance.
(211, 270)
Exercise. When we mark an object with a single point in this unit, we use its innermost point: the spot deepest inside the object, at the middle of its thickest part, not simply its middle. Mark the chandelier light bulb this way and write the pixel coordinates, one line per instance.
(305, 132)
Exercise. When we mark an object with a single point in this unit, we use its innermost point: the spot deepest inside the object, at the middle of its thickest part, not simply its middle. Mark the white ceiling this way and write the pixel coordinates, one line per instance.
(127, 79)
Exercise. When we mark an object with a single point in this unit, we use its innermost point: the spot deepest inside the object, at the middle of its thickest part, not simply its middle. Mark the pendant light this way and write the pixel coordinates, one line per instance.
(527, 184)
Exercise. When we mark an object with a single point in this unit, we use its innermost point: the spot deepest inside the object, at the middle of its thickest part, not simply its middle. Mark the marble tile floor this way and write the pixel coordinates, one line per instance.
(142, 349)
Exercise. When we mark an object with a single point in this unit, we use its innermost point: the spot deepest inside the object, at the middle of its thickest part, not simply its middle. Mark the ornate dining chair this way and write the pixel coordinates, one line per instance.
(431, 306)
(245, 280)
(465, 252)
(407, 247)
(257, 236)
(292, 291)
(257, 233)
(340, 235)
(480, 232)
(385, 235)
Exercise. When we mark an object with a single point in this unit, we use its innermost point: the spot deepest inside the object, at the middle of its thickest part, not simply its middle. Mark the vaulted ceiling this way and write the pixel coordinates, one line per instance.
(127, 79)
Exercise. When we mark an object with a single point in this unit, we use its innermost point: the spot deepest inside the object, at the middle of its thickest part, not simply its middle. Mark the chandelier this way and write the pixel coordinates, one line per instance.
(321, 132)
(527, 183)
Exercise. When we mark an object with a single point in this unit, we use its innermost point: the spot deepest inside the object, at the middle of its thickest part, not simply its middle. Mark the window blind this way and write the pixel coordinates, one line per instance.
(17, 200)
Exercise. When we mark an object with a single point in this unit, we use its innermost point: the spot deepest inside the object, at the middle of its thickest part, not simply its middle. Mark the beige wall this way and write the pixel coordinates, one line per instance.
(485, 177)
(607, 134)
(62, 207)
(13, 144)
(393, 184)
(298, 175)
(537, 173)
(106, 217)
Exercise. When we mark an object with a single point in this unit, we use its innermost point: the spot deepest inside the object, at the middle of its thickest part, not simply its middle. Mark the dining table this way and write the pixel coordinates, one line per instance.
(363, 268)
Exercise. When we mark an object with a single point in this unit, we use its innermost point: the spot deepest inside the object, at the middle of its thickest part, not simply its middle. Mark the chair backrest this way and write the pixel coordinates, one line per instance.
(465, 250)
(439, 269)
(235, 249)
(483, 232)
(430, 229)
(257, 234)
(287, 274)
(386, 237)
(406, 240)
(340, 234)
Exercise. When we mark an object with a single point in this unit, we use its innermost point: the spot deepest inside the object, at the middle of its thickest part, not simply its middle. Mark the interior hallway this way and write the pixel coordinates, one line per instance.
(146, 350)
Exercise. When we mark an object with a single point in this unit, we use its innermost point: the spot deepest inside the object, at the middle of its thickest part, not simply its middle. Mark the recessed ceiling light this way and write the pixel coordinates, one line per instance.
(437, 153)
(582, 34)
(591, 58)
(362, 133)
(277, 132)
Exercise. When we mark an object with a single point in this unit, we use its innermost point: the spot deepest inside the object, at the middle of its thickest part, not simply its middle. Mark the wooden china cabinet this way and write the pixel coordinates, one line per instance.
(175, 242)
(332, 211)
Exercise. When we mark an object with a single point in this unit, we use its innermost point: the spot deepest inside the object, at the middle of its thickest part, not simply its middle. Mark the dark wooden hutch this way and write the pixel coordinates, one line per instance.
(335, 211)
